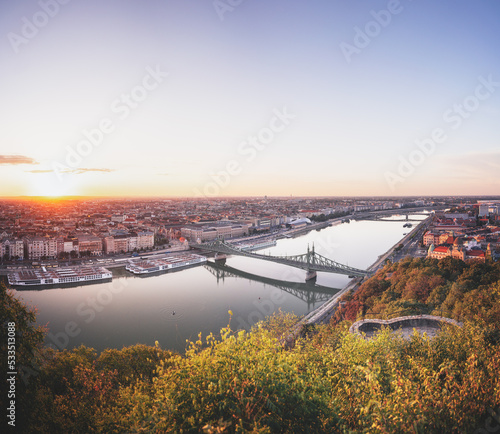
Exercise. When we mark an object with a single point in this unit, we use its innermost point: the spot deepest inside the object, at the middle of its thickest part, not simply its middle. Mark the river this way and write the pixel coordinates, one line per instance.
(173, 307)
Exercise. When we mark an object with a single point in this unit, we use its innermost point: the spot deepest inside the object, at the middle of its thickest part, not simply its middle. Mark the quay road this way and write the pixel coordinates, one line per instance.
(412, 247)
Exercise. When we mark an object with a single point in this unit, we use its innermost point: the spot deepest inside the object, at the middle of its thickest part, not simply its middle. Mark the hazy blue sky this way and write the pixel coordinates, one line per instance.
(335, 93)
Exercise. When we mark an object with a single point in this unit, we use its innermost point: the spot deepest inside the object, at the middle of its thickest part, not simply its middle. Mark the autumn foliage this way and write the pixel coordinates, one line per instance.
(449, 287)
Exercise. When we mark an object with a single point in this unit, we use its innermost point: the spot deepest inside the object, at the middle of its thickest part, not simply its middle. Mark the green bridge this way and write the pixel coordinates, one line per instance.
(310, 261)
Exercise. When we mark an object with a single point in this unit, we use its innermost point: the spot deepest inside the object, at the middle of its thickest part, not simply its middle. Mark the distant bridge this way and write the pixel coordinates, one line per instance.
(310, 261)
(379, 216)
(307, 292)
(381, 219)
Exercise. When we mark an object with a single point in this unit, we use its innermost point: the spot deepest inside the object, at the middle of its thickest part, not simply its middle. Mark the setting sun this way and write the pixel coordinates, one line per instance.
(48, 185)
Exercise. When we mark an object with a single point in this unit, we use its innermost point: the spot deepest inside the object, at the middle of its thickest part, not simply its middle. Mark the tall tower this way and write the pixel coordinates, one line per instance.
(488, 252)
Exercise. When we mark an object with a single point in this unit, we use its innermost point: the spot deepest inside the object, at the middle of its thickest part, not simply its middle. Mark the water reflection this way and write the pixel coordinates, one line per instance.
(309, 292)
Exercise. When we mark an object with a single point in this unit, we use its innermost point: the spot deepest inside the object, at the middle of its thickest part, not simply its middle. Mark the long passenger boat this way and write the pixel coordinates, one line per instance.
(149, 266)
(67, 275)
(257, 246)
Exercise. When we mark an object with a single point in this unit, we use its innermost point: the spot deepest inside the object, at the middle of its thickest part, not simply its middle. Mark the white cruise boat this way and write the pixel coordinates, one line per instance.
(257, 246)
(149, 266)
(43, 276)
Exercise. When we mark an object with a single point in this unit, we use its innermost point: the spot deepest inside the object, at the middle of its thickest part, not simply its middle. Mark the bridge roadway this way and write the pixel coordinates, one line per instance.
(310, 261)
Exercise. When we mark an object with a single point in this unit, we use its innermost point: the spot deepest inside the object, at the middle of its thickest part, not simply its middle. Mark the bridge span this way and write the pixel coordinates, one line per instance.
(310, 261)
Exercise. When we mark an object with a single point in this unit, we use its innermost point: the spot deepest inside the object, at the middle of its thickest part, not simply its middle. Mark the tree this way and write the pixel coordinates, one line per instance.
(20, 334)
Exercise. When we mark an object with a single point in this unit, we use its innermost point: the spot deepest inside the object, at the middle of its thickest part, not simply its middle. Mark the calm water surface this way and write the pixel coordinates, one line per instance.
(173, 307)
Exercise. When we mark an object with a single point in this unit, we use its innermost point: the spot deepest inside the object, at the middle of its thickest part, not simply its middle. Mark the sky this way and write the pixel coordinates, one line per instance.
(248, 98)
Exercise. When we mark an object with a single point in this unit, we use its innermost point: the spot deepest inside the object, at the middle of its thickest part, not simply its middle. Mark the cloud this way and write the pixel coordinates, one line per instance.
(16, 159)
(164, 174)
(85, 170)
(473, 162)
(74, 171)
(472, 169)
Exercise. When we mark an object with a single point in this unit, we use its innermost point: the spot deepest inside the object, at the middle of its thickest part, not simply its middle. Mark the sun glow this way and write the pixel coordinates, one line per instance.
(50, 186)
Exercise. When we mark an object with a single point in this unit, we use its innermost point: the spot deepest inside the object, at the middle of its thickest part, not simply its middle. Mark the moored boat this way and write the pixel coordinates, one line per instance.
(59, 276)
(149, 266)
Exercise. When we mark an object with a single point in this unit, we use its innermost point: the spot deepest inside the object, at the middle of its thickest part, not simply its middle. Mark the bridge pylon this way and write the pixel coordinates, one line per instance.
(311, 275)
(311, 259)
(220, 256)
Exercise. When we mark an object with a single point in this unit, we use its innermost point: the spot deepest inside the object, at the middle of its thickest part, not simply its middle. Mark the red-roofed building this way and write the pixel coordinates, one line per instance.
(130, 220)
(446, 239)
(456, 251)
(477, 255)
(439, 252)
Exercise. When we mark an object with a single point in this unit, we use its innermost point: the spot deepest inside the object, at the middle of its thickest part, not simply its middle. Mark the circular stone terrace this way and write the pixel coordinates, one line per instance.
(429, 324)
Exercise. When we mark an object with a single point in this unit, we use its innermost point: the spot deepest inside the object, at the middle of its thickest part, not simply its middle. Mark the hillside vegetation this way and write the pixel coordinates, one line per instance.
(449, 287)
(330, 382)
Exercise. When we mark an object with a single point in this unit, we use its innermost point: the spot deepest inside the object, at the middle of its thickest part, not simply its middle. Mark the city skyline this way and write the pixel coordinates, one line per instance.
(231, 99)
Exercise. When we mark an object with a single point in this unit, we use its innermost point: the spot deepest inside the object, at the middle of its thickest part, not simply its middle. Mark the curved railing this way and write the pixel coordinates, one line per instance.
(369, 326)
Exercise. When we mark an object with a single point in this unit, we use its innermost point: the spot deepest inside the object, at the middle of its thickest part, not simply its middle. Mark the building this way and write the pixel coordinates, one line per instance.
(145, 240)
(90, 243)
(446, 238)
(70, 245)
(118, 218)
(438, 252)
(108, 244)
(431, 238)
(36, 247)
(212, 232)
(121, 244)
(66, 245)
(456, 251)
(300, 223)
(132, 242)
(456, 215)
(476, 254)
(484, 210)
(267, 223)
(11, 249)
